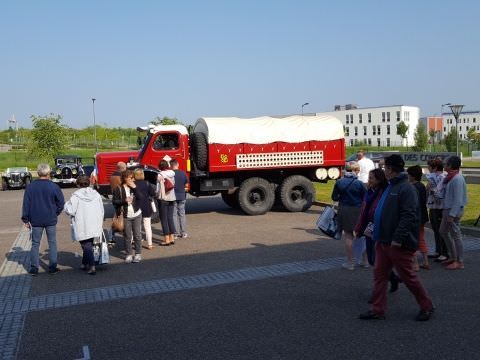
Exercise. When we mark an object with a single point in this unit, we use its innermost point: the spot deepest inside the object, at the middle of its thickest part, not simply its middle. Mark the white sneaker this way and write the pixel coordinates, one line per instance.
(348, 266)
(129, 259)
(137, 258)
(184, 235)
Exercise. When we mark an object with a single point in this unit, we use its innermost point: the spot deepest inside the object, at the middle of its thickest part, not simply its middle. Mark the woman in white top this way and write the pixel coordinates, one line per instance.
(126, 199)
(85, 208)
(166, 195)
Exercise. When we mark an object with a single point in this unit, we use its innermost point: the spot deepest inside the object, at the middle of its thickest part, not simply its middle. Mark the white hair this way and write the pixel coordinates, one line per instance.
(43, 169)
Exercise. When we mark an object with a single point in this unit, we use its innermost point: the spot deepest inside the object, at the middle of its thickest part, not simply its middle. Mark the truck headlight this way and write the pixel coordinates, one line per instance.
(74, 171)
(58, 172)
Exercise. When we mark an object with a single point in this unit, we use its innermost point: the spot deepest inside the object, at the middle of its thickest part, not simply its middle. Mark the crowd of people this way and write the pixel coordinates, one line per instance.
(389, 212)
(134, 200)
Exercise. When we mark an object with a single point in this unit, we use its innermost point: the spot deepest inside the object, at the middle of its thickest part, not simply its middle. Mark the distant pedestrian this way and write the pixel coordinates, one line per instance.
(349, 193)
(436, 193)
(366, 165)
(167, 202)
(85, 208)
(181, 181)
(148, 191)
(414, 177)
(395, 232)
(126, 200)
(42, 203)
(453, 210)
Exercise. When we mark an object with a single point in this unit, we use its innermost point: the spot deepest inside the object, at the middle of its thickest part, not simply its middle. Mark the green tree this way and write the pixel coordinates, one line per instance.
(451, 140)
(165, 121)
(48, 137)
(421, 138)
(402, 129)
(473, 136)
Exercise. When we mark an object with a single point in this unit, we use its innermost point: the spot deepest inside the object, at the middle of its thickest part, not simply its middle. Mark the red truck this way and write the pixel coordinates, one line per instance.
(254, 163)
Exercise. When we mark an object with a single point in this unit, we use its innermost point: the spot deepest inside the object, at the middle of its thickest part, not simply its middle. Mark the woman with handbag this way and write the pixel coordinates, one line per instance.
(148, 191)
(126, 200)
(377, 182)
(85, 209)
(166, 196)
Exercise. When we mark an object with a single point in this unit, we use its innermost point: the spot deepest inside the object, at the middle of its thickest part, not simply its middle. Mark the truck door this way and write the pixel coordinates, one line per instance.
(163, 144)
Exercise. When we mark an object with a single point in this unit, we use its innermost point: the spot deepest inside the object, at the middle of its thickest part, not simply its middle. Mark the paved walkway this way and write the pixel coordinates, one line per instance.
(15, 285)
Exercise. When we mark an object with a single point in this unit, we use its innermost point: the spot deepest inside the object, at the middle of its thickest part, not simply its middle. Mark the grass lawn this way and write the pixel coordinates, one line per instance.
(324, 191)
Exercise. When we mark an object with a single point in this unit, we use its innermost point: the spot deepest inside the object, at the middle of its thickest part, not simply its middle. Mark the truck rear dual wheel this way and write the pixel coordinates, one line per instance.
(256, 196)
(297, 193)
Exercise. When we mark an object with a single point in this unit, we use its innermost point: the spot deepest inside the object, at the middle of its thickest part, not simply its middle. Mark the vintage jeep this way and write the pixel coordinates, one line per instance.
(16, 178)
(67, 168)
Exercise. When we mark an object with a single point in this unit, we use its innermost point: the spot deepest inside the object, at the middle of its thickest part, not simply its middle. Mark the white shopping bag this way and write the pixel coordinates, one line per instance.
(327, 222)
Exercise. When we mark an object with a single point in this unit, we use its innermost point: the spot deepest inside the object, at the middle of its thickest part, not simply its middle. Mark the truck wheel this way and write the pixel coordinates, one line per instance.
(297, 193)
(199, 150)
(256, 196)
(231, 199)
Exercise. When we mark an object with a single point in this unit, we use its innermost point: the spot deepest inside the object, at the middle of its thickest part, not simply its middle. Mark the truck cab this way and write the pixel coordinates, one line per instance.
(165, 142)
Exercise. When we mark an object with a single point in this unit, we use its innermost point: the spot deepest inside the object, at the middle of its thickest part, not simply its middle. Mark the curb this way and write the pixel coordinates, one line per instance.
(466, 230)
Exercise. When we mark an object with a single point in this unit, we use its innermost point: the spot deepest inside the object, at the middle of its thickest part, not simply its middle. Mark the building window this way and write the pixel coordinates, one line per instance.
(369, 117)
(351, 118)
(474, 120)
(460, 128)
(356, 130)
(369, 141)
(388, 116)
(351, 142)
(378, 142)
(398, 115)
(347, 131)
(406, 116)
(378, 130)
(346, 117)
(383, 116)
(374, 130)
(360, 118)
(364, 131)
(388, 129)
(464, 120)
(388, 142)
(444, 129)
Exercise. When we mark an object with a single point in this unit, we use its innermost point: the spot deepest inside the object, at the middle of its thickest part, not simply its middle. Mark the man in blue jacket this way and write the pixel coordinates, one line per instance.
(396, 233)
(179, 218)
(42, 203)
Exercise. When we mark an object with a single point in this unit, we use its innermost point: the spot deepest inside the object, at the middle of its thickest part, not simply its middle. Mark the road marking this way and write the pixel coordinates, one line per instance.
(86, 353)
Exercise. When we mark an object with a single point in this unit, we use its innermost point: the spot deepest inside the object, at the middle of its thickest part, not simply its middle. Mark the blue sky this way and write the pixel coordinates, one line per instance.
(188, 59)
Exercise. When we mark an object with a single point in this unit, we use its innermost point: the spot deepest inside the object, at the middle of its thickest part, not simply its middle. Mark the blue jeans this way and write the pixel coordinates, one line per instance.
(87, 247)
(37, 232)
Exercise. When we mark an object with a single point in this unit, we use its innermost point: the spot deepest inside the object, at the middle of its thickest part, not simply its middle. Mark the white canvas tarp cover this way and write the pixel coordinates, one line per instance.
(265, 129)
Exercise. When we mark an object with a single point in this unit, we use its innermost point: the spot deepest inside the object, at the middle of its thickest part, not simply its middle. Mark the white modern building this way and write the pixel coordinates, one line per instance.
(376, 126)
(466, 121)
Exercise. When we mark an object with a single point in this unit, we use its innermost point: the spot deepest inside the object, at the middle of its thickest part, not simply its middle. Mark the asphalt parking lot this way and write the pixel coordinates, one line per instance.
(239, 287)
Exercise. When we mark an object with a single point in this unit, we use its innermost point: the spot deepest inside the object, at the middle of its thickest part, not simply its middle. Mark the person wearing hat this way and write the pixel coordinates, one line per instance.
(396, 233)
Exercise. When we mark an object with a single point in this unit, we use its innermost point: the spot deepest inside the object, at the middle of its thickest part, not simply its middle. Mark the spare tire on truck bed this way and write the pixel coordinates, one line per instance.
(199, 150)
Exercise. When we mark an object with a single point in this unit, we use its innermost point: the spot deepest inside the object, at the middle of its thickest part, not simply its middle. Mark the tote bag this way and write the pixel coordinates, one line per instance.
(118, 222)
(327, 222)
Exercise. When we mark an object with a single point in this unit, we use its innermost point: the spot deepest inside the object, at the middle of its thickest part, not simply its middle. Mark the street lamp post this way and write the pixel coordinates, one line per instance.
(303, 106)
(94, 126)
(441, 115)
(456, 110)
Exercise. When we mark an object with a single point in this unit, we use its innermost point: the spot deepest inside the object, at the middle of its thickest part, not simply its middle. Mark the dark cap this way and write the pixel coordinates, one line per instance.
(395, 161)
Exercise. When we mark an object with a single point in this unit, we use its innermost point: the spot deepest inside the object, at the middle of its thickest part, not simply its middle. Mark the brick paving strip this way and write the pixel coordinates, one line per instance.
(15, 303)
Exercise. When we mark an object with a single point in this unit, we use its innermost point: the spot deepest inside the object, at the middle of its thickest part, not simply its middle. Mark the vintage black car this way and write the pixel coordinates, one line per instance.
(16, 178)
(67, 168)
